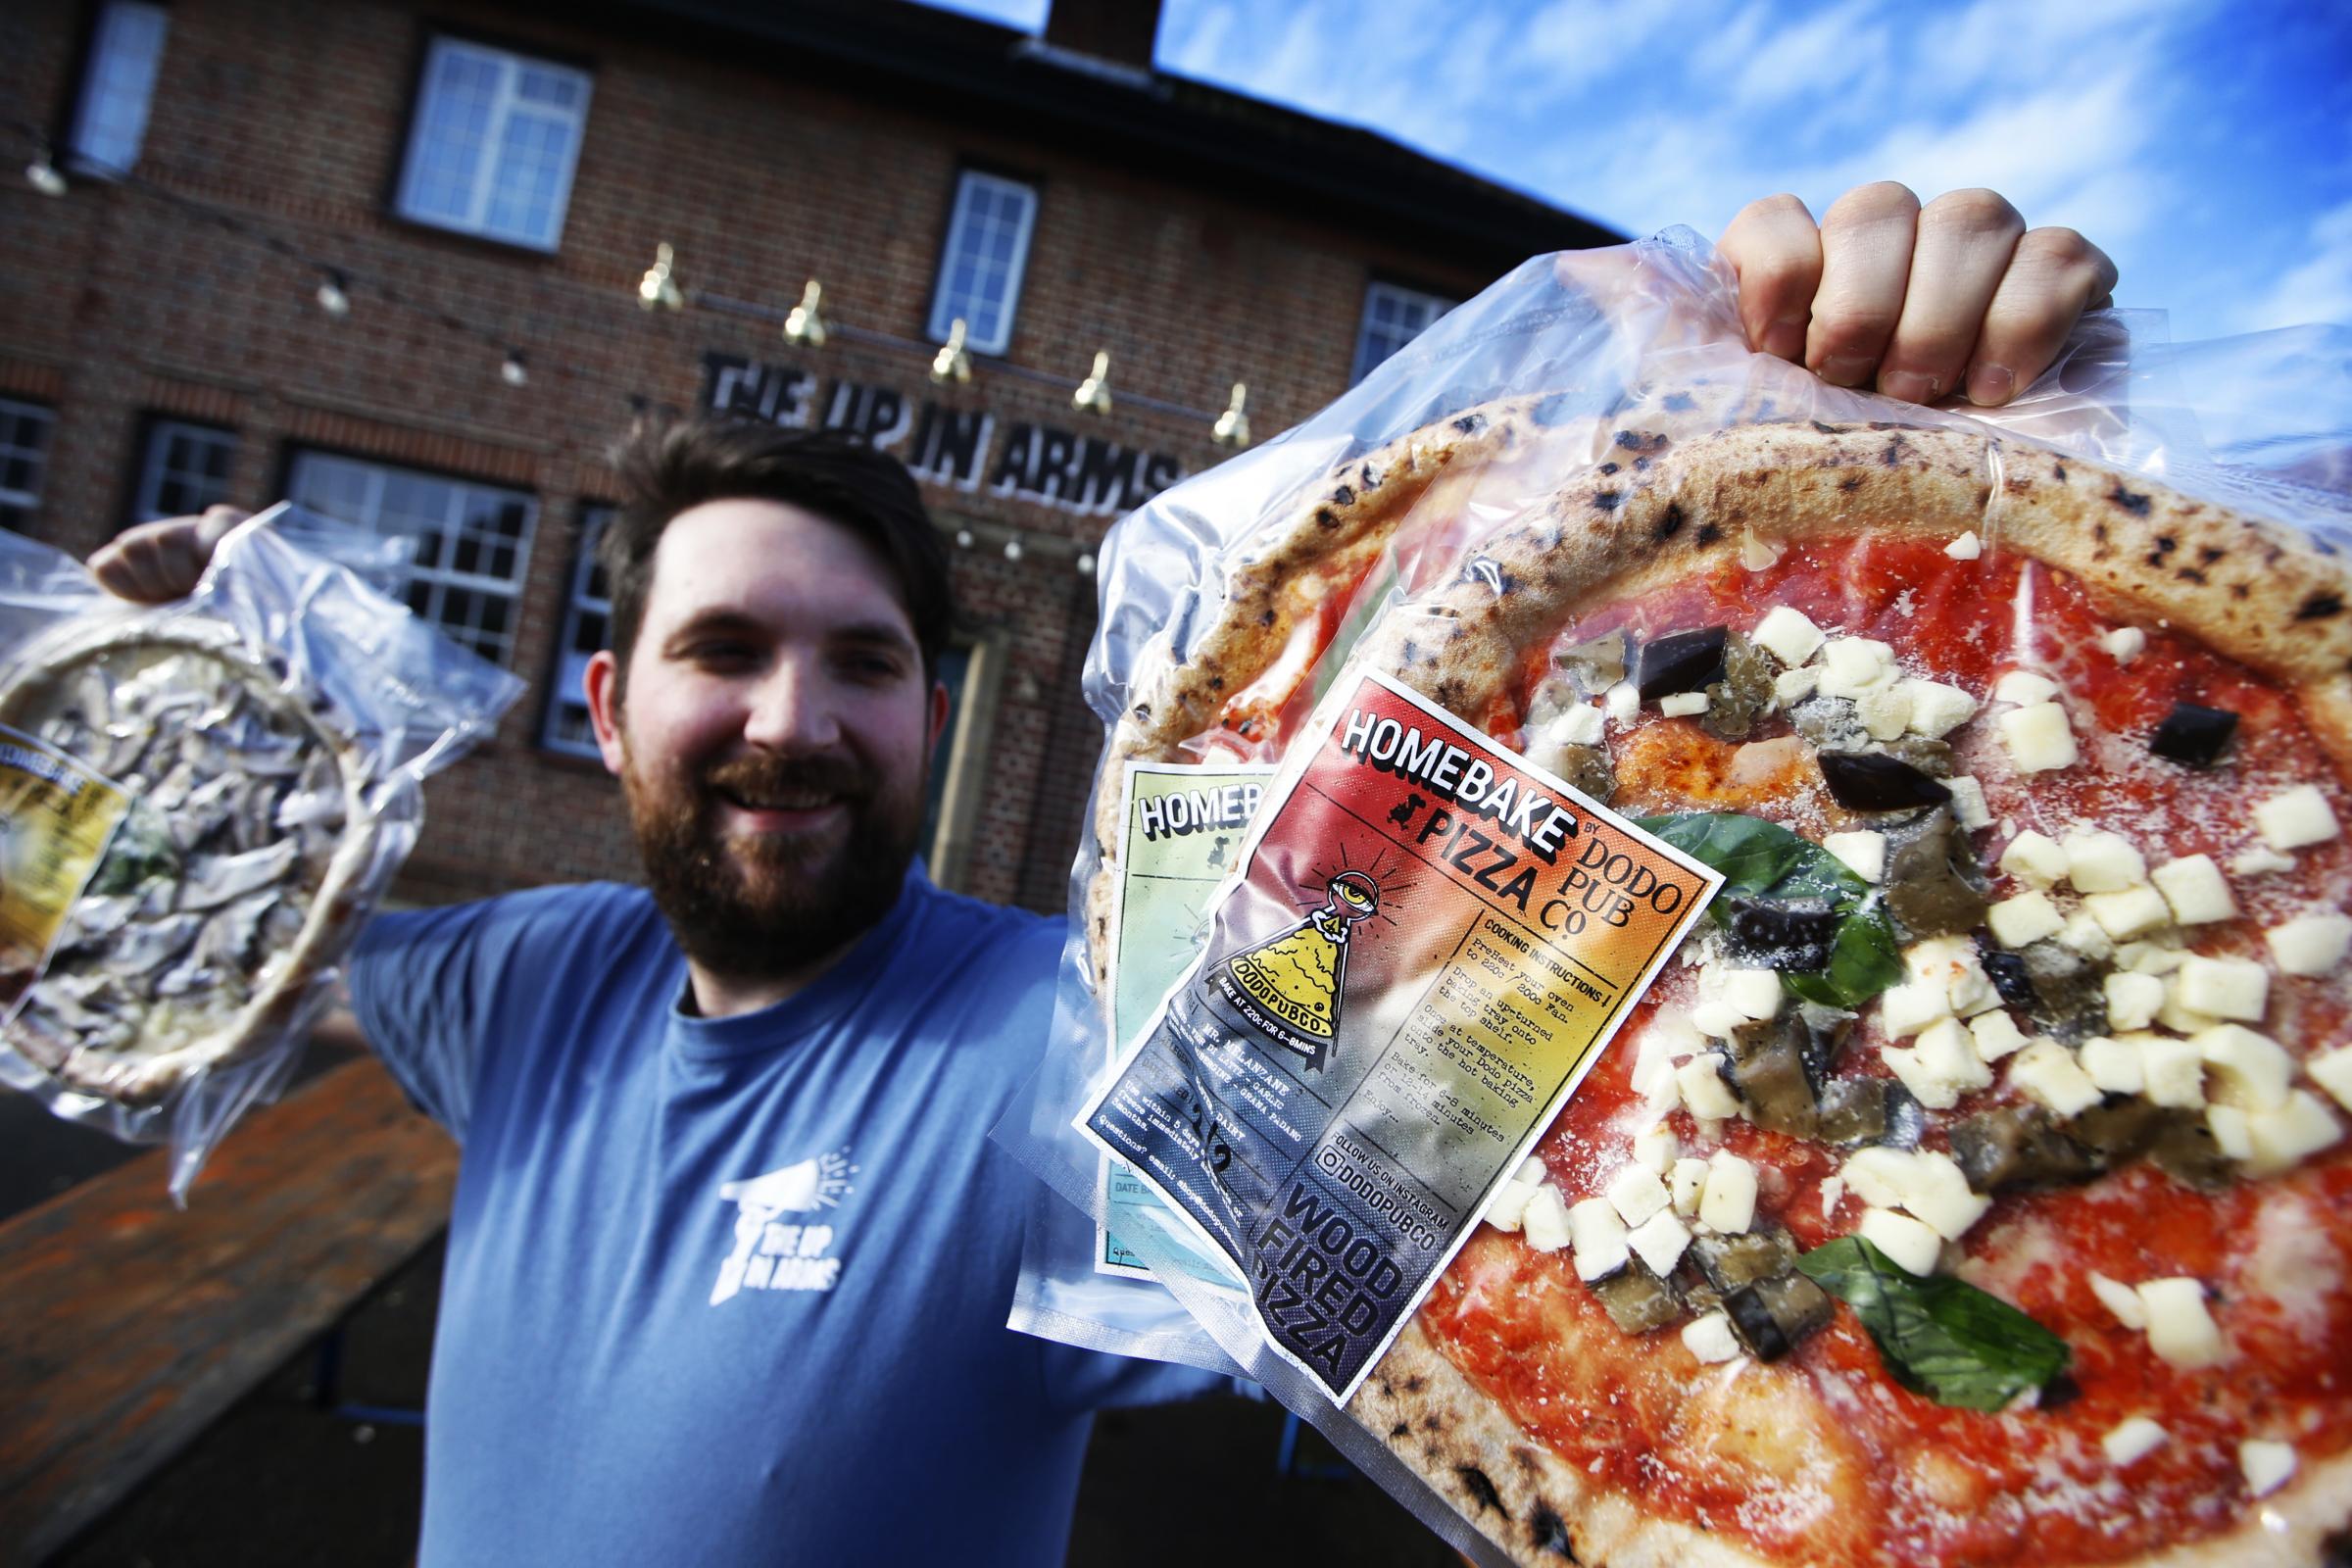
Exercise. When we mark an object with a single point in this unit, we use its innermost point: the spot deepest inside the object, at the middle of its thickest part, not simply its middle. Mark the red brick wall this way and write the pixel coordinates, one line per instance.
(118, 305)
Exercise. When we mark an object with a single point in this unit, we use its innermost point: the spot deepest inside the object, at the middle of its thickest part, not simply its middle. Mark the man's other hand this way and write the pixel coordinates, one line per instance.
(1919, 302)
(160, 561)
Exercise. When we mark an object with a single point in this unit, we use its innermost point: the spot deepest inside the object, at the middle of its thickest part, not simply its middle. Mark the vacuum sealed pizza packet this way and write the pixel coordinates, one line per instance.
(1781, 994)
(203, 801)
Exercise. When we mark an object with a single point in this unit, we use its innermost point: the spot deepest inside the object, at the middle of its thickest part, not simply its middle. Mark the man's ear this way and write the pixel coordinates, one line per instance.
(602, 683)
(939, 716)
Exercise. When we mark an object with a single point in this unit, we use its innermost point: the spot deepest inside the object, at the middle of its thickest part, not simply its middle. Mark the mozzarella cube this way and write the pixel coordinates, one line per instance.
(1670, 1034)
(1658, 1241)
(1968, 546)
(2284, 1138)
(1884, 710)
(1581, 725)
(1937, 709)
(1878, 1175)
(1833, 1188)
(2310, 943)
(1755, 992)
(2297, 818)
(1937, 1193)
(1951, 961)
(1996, 1035)
(2178, 1016)
(1968, 802)
(2266, 1465)
(1682, 705)
(1863, 853)
(1941, 1067)
(2023, 687)
(2179, 1329)
(2111, 1065)
(1510, 1203)
(1635, 1192)
(2150, 958)
(2172, 1071)
(1717, 1018)
(1787, 634)
(2332, 1070)
(1656, 1148)
(2121, 1299)
(2103, 863)
(2224, 987)
(2035, 859)
(1622, 703)
(2039, 738)
(2259, 859)
(1794, 686)
(2197, 890)
(2085, 935)
(1852, 666)
(1909, 1245)
(2131, 912)
(2250, 1070)
(2133, 1440)
(1703, 1090)
(2133, 1000)
(1545, 1219)
(1598, 1237)
(1688, 1180)
(2125, 643)
(2049, 1071)
(1909, 1007)
(2028, 918)
(1727, 1205)
(1710, 1338)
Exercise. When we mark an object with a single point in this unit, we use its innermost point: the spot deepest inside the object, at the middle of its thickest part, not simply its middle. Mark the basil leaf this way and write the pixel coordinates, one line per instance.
(1760, 858)
(1941, 1337)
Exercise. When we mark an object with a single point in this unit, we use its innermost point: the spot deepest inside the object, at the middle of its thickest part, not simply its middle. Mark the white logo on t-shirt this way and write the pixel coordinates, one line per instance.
(771, 1254)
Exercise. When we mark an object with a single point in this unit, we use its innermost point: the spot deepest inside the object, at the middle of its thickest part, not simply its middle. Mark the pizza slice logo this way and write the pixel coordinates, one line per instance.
(1291, 987)
(773, 1252)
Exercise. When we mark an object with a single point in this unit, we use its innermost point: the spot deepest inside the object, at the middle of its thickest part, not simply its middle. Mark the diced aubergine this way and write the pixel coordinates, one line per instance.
(1873, 781)
(1595, 666)
(1732, 1263)
(1778, 934)
(2118, 1129)
(1930, 877)
(2185, 1150)
(1825, 1030)
(1687, 662)
(2017, 1146)
(1743, 694)
(1586, 768)
(2007, 972)
(1768, 1074)
(1932, 757)
(1637, 1300)
(2193, 736)
(2070, 992)
(1869, 1110)
(1773, 1316)
(1829, 724)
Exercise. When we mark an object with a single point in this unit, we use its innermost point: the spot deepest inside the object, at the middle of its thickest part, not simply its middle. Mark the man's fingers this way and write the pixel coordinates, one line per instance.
(2054, 276)
(1965, 243)
(162, 561)
(1866, 240)
(1774, 249)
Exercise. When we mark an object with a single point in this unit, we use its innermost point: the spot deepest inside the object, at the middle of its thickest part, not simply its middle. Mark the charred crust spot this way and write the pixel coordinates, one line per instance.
(1607, 500)
(2319, 607)
(1343, 497)
(1628, 440)
(1411, 653)
(1550, 1533)
(1852, 481)
(1399, 1430)
(2098, 531)
(1672, 523)
(1451, 696)
(1708, 533)
(1825, 429)
(2166, 544)
(2193, 574)
(1143, 712)
(2209, 553)
(1470, 423)
(2238, 590)
(1327, 517)
(1641, 464)
(1608, 468)
(1984, 497)
(1892, 456)
(1482, 1490)
(1216, 683)
(1371, 478)
(2058, 471)
(1430, 1423)
(1267, 618)
(2130, 500)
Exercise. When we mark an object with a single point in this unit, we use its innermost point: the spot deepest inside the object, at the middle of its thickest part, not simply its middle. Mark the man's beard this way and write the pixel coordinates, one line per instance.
(765, 906)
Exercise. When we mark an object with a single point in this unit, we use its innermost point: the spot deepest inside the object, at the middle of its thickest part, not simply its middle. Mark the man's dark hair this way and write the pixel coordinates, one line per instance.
(669, 467)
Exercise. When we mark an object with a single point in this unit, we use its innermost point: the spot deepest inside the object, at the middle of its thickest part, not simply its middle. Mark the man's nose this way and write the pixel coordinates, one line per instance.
(791, 709)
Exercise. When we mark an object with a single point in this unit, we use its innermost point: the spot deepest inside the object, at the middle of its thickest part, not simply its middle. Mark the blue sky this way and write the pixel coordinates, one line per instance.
(2207, 146)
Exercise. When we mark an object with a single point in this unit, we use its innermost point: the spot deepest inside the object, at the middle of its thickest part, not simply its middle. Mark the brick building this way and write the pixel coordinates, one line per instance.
(295, 247)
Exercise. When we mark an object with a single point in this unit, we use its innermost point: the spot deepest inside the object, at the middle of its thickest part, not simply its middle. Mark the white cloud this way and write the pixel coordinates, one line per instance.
(2317, 289)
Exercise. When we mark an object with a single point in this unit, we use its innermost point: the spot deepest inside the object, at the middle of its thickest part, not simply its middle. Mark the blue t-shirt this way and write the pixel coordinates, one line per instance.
(733, 1290)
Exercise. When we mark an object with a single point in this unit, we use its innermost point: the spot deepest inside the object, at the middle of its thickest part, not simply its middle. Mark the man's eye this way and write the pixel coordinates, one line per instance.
(870, 667)
(721, 652)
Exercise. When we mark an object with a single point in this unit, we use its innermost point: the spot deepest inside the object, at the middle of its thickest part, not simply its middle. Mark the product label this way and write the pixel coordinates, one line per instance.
(1429, 944)
(1182, 837)
(56, 816)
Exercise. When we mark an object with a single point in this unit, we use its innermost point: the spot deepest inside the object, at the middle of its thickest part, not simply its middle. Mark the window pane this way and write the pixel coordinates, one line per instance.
(496, 138)
(980, 269)
(126, 53)
(23, 439)
(1392, 318)
(565, 728)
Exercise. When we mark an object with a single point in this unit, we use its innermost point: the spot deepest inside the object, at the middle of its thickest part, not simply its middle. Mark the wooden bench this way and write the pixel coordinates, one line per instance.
(131, 1326)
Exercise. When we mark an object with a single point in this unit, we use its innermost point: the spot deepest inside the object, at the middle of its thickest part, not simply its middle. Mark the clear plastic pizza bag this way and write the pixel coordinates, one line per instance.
(1590, 355)
(204, 801)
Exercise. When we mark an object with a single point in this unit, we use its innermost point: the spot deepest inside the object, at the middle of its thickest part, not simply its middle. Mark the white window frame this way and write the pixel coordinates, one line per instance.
(156, 467)
(1375, 340)
(946, 307)
(506, 108)
(45, 420)
(440, 577)
(566, 694)
(118, 87)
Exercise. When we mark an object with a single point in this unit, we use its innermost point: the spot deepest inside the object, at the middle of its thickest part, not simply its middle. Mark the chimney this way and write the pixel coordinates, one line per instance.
(1121, 33)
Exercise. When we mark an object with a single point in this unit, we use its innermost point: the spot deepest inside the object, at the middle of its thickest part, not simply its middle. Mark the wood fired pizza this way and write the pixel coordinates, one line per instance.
(1974, 1188)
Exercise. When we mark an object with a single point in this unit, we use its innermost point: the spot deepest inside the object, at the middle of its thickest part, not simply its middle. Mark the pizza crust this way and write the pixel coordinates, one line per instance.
(162, 1062)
